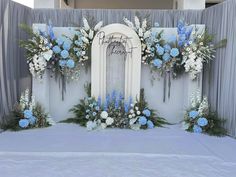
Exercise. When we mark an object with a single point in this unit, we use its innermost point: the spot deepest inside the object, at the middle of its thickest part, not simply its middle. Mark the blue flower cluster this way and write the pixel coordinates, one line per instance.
(62, 50)
(165, 53)
(184, 33)
(199, 123)
(29, 119)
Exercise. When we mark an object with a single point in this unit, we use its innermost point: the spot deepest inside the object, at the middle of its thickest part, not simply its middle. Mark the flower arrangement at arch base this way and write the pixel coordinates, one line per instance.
(115, 112)
(27, 114)
(199, 118)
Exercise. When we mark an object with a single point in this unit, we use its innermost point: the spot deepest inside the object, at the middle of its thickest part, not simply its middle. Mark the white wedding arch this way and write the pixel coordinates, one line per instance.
(121, 34)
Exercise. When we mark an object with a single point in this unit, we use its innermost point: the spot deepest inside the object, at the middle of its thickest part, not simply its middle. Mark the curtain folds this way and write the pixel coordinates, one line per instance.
(219, 81)
(14, 75)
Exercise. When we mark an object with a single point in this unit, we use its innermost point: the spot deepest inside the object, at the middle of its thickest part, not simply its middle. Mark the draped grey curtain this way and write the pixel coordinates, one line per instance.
(14, 76)
(219, 77)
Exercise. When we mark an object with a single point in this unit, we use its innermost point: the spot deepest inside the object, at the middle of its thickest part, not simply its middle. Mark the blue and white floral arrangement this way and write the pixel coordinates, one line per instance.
(199, 118)
(115, 112)
(28, 114)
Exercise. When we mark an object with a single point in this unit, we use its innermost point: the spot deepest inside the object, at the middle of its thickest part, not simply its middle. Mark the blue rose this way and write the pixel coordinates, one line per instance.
(167, 47)
(56, 49)
(197, 129)
(142, 120)
(64, 54)
(202, 121)
(193, 114)
(66, 45)
(166, 57)
(62, 63)
(146, 112)
(160, 50)
(32, 120)
(24, 123)
(27, 114)
(157, 63)
(150, 124)
(70, 63)
(174, 52)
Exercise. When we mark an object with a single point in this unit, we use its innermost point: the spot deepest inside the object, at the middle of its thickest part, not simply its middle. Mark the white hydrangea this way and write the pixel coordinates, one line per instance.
(104, 115)
(109, 121)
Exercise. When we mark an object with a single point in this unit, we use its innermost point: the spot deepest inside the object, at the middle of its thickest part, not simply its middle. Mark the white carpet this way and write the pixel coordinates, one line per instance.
(67, 150)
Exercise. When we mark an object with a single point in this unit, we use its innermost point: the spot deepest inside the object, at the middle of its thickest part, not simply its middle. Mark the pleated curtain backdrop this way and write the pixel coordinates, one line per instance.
(219, 77)
(14, 75)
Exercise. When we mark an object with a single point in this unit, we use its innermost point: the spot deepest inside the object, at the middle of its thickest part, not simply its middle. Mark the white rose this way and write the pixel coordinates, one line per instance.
(138, 112)
(130, 116)
(109, 121)
(131, 111)
(104, 114)
(133, 115)
(136, 107)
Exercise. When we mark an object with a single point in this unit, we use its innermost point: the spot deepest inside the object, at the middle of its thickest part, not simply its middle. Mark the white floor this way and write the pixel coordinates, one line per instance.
(67, 150)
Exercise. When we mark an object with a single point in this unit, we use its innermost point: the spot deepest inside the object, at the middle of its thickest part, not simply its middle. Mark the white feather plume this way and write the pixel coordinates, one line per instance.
(128, 23)
(137, 22)
(86, 25)
(144, 24)
(98, 26)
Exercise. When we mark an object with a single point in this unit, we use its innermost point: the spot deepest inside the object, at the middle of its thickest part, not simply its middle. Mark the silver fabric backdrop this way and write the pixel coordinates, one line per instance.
(219, 77)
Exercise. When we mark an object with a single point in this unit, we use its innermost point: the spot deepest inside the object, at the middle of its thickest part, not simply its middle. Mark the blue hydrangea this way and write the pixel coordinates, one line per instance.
(32, 120)
(193, 114)
(160, 50)
(56, 49)
(24, 123)
(167, 47)
(147, 112)
(62, 63)
(174, 52)
(150, 124)
(64, 54)
(202, 121)
(70, 63)
(197, 129)
(59, 41)
(50, 31)
(157, 63)
(166, 57)
(94, 113)
(142, 120)
(28, 114)
(66, 45)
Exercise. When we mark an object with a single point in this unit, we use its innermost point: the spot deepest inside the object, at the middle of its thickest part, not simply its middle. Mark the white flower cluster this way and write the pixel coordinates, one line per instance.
(102, 123)
(38, 63)
(133, 115)
(200, 104)
(204, 107)
(87, 35)
(26, 102)
(143, 32)
(196, 99)
(195, 54)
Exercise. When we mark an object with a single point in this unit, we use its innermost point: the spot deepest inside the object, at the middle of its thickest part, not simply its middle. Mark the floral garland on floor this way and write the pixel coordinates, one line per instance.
(28, 114)
(199, 118)
(115, 112)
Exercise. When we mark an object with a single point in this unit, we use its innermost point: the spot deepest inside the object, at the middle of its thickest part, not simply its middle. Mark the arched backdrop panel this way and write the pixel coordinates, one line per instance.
(219, 78)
